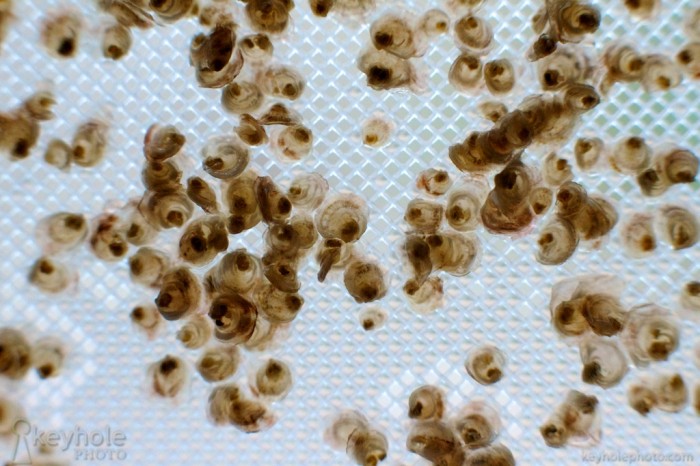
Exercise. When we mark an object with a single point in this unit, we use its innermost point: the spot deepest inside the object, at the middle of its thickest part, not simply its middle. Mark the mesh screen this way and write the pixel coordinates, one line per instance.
(335, 363)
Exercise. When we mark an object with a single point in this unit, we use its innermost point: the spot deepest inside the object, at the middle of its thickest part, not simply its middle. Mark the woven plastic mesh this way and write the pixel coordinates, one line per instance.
(335, 363)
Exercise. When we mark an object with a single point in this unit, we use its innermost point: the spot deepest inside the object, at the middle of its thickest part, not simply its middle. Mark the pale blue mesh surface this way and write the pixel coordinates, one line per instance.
(335, 363)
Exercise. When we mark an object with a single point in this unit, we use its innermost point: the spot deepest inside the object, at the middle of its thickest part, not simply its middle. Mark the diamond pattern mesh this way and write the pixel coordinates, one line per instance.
(335, 363)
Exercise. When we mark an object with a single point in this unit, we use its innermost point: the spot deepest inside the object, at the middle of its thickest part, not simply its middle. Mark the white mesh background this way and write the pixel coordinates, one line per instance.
(335, 363)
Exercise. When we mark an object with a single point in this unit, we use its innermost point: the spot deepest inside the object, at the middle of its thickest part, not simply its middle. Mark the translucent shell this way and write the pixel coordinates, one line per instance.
(455, 253)
(162, 142)
(180, 293)
(234, 318)
(307, 190)
(148, 266)
(376, 130)
(218, 363)
(272, 380)
(203, 239)
(396, 34)
(477, 424)
(202, 194)
(168, 376)
(281, 81)
(292, 143)
(473, 33)
(575, 422)
(677, 226)
(604, 362)
(89, 143)
(269, 16)
(631, 155)
(195, 332)
(464, 202)
(372, 318)
(426, 403)
(466, 73)
(166, 210)
(225, 157)
(637, 235)
(107, 240)
(116, 42)
(651, 334)
(556, 170)
(427, 297)
(486, 364)
(434, 181)
(61, 231)
(341, 426)
(250, 131)
(60, 34)
(147, 319)
(435, 441)
(276, 305)
(342, 216)
(241, 97)
(365, 281)
(15, 359)
(385, 71)
(170, 11)
(424, 216)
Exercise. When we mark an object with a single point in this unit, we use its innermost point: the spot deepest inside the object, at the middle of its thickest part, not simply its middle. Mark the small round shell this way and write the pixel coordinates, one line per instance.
(61, 231)
(256, 48)
(426, 403)
(166, 210)
(496, 455)
(466, 73)
(385, 71)
(292, 143)
(241, 97)
(340, 427)
(107, 240)
(203, 239)
(477, 424)
(556, 170)
(148, 266)
(424, 216)
(218, 363)
(229, 406)
(417, 253)
(279, 114)
(240, 199)
(690, 300)
(170, 11)
(215, 57)
(434, 22)
(282, 82)
(147, 319)
(436, 442)
(660, 73)
(48, 357)
(425, 298)
(587, 152)
(162, 142)
(59, 154)
(137, 229)
(395, 33)
(195, 332)
(60, 34)
(499, 76)
(492, 110)
(689, 59)
(376, 130)
(39, 105)
(631, 156)
(89, 143)
(237, 272)
(16, 357)
(367, 446)
(651, 334)
(342, 216)
(168, 376)
(307, 190)
(332, 253)
(372, 318)
(365, 281)
(250, 131)
(455, 253)
(637, 235)
(278, 306)
(541, 199)
(671, 392)
(464, 203)
(116, 41)
(678, 165)
(269, 16)
(567, 65)
(642, 9)
(486, 364)
(641, 396)
(234, 318)
(225, 157)
(573, 20)
(275, 206)
(604, 362)
(272, 380)
(202, 194)
(434, 181)
(180, 293)
(677, 226)
(557, 242)
(161, 176)
(473, 33)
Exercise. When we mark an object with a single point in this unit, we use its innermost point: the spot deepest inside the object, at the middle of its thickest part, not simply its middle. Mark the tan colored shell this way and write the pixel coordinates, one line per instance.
(202, 239)
(660, 73)
(557, 242)
(434, 181)
(367, 446)
(202, 194)
(426, 402)
(170, 11)
(39, 105)
(58, 154)
(575, 422)
(240, 198)
(424, 298)
(107, 239)
(631, 155)
(241, 97)
(565, 66)
(16, 357)
(11, 412)
(227, 405)
(688, 58)
(473, 33)
(61, 231)
(128, 12)
(342, 216)
(278, 306)
(455, 253)
(256, 48)
(250, 131)
(396, 33)
(641, 396)
(116, 41)
(148, 266)
(486, 364)
(671, 392)
(436, 442)
(307, 190)
(637, 235)
(651, 334)
(372, 318)
(587, 152)
(572, 20)
(332, 253)
(417, 254)
(168, 376)
(292, 143)
(180, 293)
(541, 199)
(162, 142)
(424, 216)
(385, 71)
(147, 319)
(499, 76)
(341, 426)
(376, 130)
(237, 272)
(48, 357)
(272, 380)
(492, 110)
(466, 72)
(281, 81)
(166, 210)
(275, 206)
(677, 226)
(279, 114)
(365, 281)
(282, 272)
(218, 363)
(464, 203)
(89, 143)
(496, 455)
(234, 318)
(642, 9)
(195, 332)
(215, 57)
(477, 424)
(269, 16)
(556, 170)
(61, 33)
(161, 176)
(225, 157)
(604, 362)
